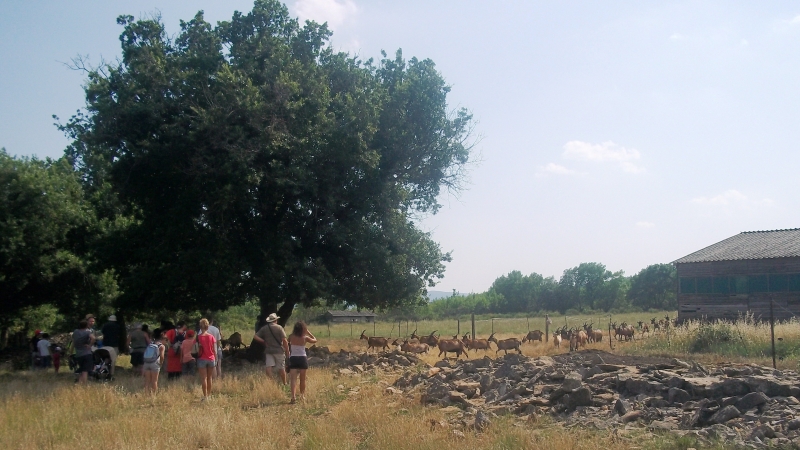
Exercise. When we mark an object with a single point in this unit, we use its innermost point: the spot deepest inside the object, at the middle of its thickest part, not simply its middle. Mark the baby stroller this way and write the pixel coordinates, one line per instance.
(101, 371)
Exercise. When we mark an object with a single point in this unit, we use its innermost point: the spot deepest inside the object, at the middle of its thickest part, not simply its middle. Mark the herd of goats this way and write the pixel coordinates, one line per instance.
(577, 337)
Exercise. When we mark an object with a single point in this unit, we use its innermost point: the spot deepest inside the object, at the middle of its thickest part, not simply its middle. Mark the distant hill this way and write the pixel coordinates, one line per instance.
(435, 295)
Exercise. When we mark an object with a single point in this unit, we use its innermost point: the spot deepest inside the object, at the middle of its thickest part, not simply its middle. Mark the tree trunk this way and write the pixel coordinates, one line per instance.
(4, 337)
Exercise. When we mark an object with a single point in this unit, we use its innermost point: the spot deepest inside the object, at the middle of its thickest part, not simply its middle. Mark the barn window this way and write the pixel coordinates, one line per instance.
(721, 285)
(739, 284)
(778, 283)
(704, 285)
(687, 285)
(794, 282)
(759, 283)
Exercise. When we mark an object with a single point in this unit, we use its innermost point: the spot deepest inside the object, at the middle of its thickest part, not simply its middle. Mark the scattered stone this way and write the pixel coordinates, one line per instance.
(725, 414)
(676, 395)
(751, 400)
(481, 421)
(622, 407)
(572, 381)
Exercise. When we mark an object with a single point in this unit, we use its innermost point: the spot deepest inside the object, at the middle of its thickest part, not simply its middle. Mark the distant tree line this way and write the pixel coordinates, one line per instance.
(588, 287)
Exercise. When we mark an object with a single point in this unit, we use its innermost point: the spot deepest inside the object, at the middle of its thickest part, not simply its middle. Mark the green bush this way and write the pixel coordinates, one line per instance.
(711, 335)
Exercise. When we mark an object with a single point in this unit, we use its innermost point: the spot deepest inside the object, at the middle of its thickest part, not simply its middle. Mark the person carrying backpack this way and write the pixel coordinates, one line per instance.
(153, 360)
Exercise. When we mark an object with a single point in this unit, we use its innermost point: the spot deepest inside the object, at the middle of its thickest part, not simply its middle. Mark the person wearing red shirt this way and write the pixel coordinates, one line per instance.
(175, 337)
(206, 357)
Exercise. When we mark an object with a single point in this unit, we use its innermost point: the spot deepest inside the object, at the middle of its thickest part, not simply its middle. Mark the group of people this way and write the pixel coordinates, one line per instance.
(183, 351)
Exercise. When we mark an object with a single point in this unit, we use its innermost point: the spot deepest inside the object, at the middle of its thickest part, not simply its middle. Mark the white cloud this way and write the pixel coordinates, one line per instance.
(643, 224)
(335, 12)
(796, 20)
(556, 169)
(677, 37)
(605, 152)
(732, 197)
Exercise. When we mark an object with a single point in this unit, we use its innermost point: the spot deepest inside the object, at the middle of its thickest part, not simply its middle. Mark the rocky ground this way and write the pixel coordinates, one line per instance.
(748, 406)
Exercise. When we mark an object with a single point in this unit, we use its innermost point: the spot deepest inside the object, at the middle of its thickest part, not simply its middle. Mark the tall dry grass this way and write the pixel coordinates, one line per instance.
(247, 411)
(743, 340)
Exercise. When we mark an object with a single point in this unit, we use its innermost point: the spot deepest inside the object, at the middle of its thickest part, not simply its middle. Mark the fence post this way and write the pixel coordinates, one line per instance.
(473, 325)
(492, 325)
(772, 331)
(329, 329)
(547, 328)
(458, 322)
(351, 327)
(373, 327)
(528, 321)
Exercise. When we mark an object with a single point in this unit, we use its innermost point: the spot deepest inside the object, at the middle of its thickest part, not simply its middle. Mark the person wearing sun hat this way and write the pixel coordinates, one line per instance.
(273, 337)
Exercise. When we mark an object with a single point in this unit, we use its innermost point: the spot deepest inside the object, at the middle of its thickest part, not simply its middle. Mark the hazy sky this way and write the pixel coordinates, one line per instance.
(626, 133)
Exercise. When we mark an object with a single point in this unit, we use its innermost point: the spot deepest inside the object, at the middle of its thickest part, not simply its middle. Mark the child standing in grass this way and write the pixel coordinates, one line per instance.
(206, 358)
(151, 369)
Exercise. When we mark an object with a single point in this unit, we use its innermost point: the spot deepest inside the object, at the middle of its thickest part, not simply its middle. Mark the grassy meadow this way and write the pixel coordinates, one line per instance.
(48, 411)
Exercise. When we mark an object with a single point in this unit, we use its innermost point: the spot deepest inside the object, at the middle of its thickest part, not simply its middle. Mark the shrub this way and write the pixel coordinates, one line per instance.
(711, 335)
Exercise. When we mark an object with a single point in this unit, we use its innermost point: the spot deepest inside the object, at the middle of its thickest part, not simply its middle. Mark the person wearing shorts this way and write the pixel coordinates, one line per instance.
(298, 360)
(214, 331)
(273, 337)
(150, 370)
(138, 342)
(82, 341)
(206, 358)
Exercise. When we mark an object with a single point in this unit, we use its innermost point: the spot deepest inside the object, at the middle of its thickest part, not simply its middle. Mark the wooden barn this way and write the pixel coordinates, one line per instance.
(349, 316)
(741, 275)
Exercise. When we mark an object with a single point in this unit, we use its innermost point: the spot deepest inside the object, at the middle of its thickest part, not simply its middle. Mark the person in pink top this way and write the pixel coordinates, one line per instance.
(187, 359)
(206, 357)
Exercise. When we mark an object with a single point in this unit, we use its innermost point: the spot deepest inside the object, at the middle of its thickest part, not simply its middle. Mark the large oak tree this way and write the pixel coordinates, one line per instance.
(254, 161)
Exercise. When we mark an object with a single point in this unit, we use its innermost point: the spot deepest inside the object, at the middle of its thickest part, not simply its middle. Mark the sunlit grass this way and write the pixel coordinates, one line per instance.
(247, 411)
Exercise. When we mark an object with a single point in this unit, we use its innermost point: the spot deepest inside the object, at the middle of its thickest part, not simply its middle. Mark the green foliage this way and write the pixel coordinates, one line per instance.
(250, 160)
(654, 287)
(712, 335)
(46, 233)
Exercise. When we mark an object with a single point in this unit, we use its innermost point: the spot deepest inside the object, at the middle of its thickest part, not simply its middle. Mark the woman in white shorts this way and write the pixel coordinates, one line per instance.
(298, 360)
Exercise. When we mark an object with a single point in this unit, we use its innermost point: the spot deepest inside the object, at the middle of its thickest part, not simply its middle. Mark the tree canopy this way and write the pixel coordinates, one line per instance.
(250, 160)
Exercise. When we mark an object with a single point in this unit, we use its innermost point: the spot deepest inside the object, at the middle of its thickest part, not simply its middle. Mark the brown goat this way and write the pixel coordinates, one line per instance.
(535, 335)
(451, 346)
(431, 339)
(375, 342)
(414, 348)
(506, 344)
(479, 344)
(235, 341)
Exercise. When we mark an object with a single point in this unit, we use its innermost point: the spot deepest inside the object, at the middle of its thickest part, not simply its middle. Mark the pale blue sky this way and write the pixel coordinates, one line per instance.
(627, 133)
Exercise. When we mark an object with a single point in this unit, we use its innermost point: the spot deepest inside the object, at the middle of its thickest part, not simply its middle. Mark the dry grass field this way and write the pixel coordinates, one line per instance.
(46, 411)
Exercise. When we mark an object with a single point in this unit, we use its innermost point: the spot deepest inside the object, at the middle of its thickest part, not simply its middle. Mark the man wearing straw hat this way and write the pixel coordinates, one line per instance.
(273, 337)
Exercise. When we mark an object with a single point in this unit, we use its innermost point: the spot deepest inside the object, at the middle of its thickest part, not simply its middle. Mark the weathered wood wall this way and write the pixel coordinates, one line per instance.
(731, 306)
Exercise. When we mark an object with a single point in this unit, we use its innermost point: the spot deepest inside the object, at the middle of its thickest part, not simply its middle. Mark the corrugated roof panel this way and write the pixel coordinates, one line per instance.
(750, 245)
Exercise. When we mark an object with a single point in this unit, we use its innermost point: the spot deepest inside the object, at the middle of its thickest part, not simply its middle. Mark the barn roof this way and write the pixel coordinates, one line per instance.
(750, 245)
(351, 313)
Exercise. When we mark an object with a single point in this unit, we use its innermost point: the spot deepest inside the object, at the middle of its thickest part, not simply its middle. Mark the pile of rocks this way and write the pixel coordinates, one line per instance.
(349, 363)
(752, 406)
